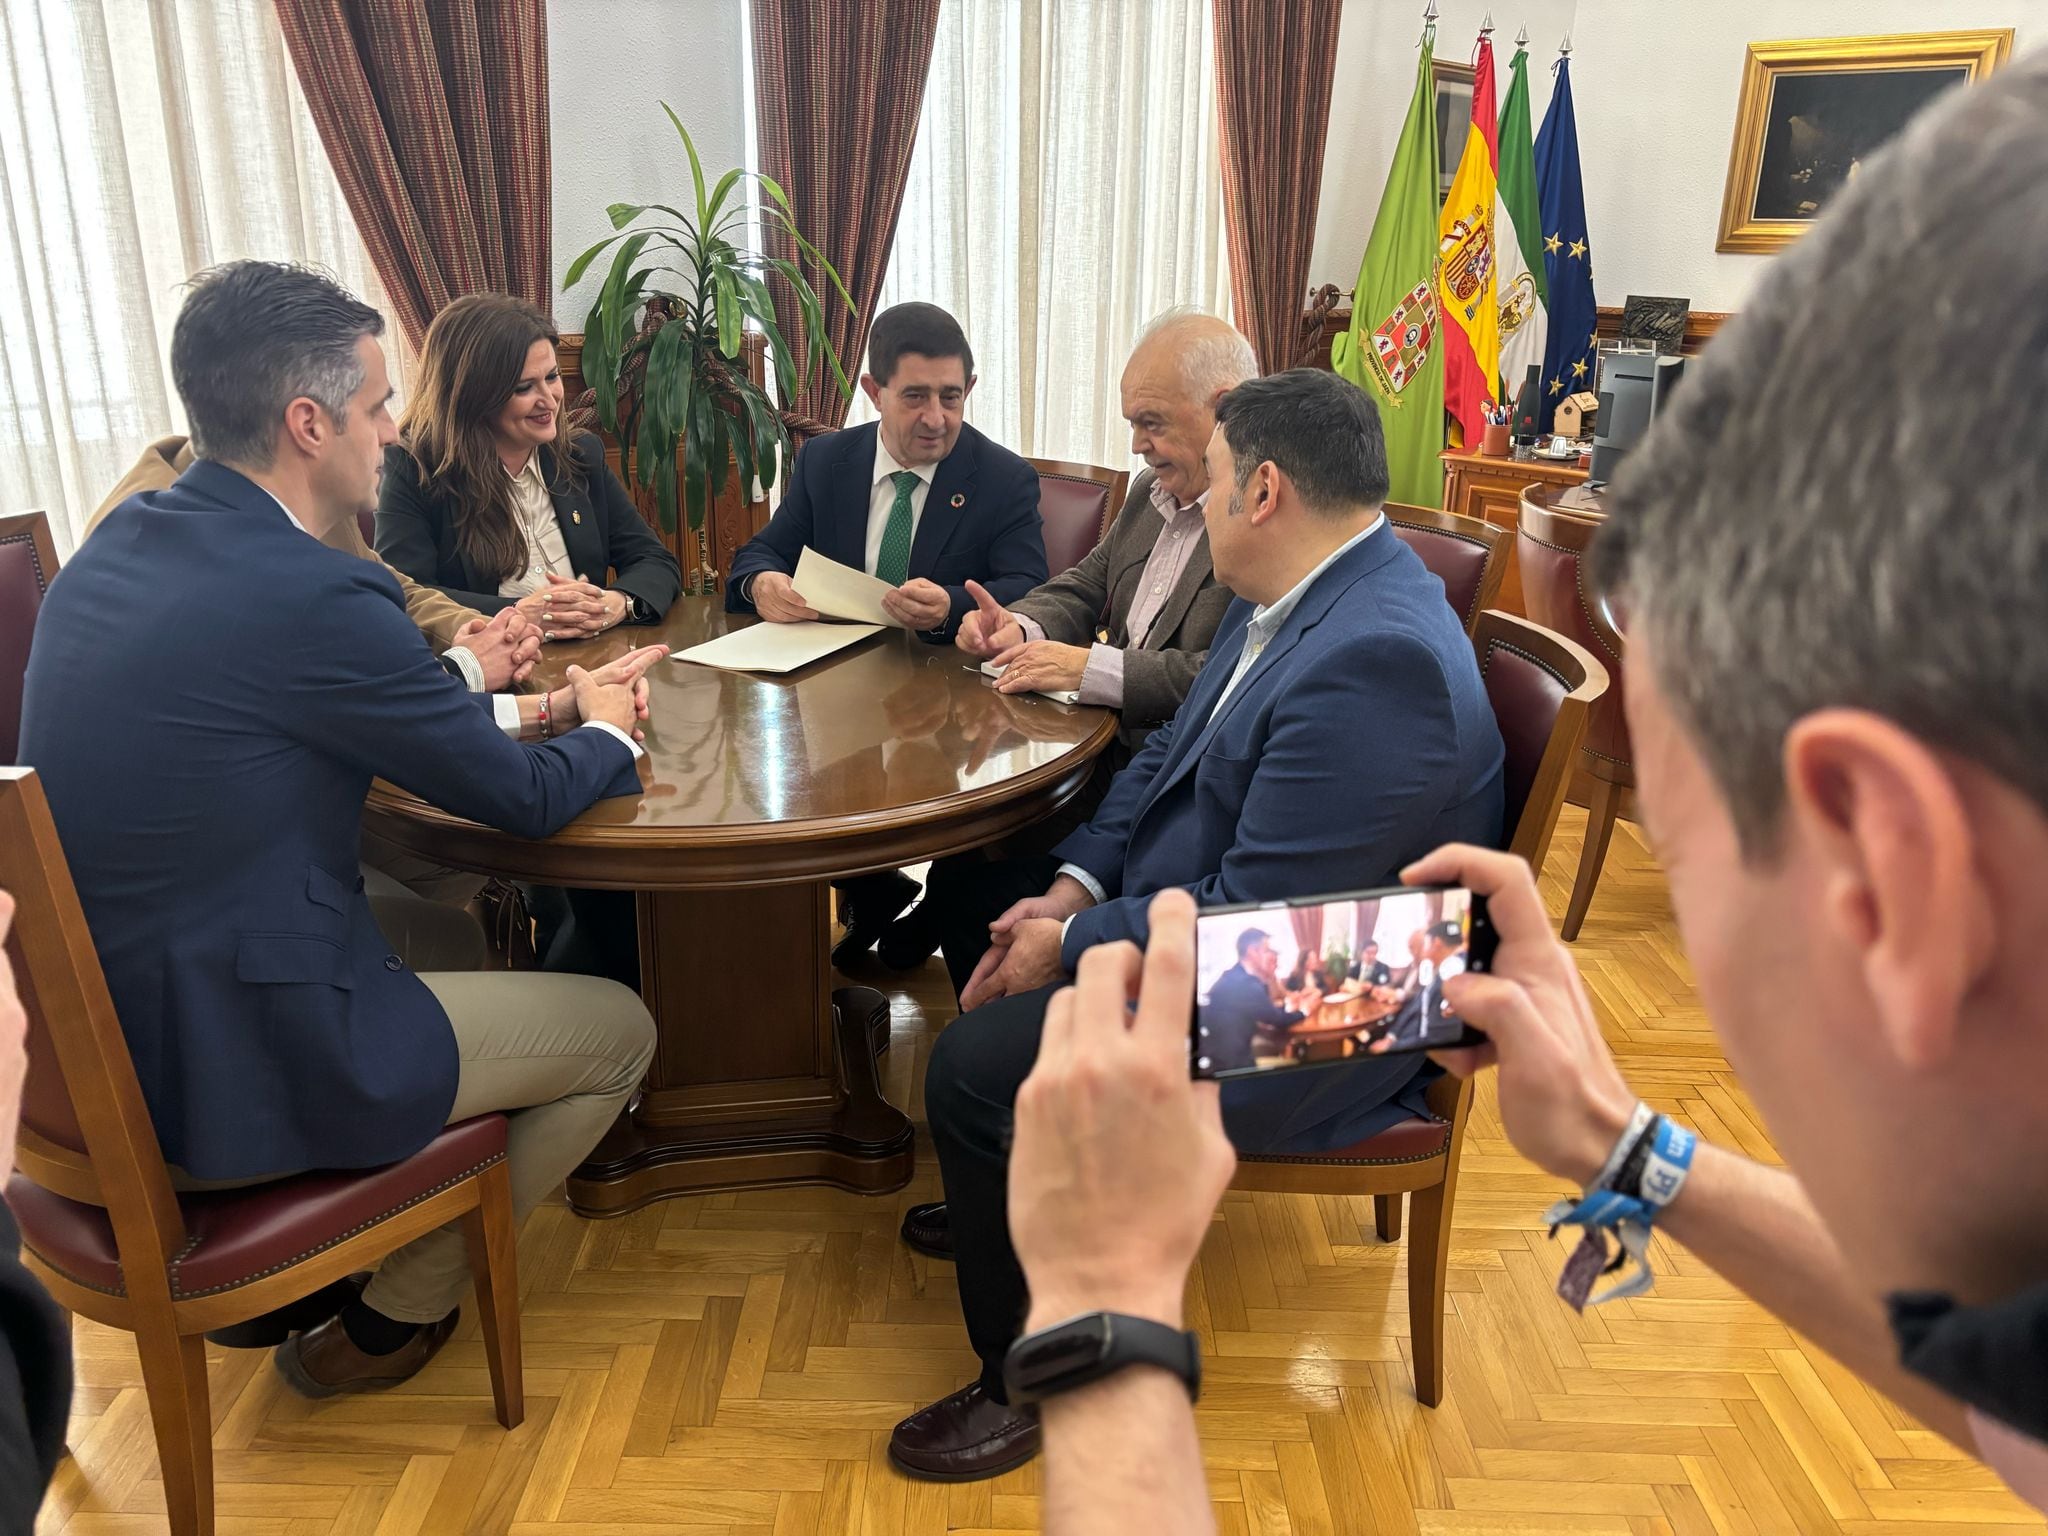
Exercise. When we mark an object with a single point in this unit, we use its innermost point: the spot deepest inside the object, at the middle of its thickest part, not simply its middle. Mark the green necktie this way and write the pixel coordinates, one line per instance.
(893, 563)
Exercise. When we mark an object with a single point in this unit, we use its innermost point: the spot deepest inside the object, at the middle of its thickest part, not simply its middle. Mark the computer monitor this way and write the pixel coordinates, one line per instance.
(1627, 377)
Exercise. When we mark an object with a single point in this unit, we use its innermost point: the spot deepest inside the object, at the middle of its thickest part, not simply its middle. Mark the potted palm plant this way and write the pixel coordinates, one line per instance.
(663, 343)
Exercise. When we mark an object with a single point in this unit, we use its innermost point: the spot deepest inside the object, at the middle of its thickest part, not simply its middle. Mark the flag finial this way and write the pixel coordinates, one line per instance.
(1429, 13)
(1522, 37)
(1565, 48)
(1486, 27)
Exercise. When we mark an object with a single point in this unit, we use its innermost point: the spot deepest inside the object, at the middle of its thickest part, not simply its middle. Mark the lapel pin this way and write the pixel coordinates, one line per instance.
(959, 499)
(575, 517)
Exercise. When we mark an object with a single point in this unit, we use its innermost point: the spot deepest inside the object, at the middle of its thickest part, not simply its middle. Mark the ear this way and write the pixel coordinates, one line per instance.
(1262, 492)
(972, 380)
(307, 425)
(1899, 874)
(870, 388)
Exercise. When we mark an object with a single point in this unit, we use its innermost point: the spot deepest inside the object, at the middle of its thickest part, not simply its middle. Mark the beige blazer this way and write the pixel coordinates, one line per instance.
(169, 457)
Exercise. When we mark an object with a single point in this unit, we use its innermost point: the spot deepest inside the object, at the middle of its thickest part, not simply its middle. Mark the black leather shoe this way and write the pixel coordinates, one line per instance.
(965, 1437)
(869, 915)
(929, 1230)
(912, 939)
(279, 1324)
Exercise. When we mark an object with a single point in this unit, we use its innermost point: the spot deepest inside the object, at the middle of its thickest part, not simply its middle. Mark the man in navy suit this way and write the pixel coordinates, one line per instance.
(1338, 730)
(1241, 1003)
(207, 777)
(919, 499)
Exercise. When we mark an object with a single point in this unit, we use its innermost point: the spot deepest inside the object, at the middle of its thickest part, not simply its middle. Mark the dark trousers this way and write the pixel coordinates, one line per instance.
(969, 893)
(970, 1093)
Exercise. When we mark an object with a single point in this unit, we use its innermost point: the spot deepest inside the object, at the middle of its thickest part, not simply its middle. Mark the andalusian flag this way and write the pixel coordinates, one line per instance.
(1392, 350)
(1465, 287)
(1518, 238)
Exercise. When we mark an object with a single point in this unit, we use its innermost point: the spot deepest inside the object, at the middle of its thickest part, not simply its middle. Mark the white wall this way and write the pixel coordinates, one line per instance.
(611, 63)
(1375, 78)
(1655, 86)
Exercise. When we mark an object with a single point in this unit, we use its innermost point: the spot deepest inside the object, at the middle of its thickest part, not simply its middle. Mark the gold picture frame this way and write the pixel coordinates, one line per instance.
(1811, 107)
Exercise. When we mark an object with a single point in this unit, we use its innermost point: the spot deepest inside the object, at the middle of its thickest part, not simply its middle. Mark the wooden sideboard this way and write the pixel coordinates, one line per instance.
(1491, 489)
(731, 519)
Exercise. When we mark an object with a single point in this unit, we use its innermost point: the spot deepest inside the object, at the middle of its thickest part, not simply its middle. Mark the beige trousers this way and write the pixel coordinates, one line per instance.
(558, 1055)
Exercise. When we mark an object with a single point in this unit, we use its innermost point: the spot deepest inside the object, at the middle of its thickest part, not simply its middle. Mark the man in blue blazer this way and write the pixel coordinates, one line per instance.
(1338, 730)
(919, 499)
(210, 692)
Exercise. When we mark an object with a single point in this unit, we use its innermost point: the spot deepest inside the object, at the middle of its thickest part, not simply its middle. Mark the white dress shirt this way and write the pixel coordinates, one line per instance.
(504, 706)
(1258, 633)
(882, 496)
(533, 509)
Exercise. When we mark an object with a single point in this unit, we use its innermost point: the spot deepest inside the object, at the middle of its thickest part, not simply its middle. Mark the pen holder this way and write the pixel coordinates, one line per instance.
(1493, 442)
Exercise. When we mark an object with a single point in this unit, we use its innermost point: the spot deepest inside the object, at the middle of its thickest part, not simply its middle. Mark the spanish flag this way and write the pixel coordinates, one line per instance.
(1465, 275)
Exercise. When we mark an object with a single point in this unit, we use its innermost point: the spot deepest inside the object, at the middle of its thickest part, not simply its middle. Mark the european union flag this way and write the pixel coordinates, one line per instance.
(1571, 352)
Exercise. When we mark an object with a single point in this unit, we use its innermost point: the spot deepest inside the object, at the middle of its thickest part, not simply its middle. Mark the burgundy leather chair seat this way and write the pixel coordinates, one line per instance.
(1458, 562)
(240, 1235)
(1076, 514)
(1405, 1141)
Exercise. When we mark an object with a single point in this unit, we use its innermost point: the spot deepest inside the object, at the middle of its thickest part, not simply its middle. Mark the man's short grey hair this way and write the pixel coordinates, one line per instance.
(254, 336)
(1848, 503)
(1209, 362)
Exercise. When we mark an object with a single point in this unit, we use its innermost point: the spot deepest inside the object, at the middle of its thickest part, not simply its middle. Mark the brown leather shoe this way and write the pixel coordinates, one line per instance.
(928, 1229)
(324, 1361)
(965, 1437)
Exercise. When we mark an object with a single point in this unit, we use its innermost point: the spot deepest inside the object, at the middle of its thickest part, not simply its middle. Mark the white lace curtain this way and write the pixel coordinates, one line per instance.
(140, 141)
(1065, 188)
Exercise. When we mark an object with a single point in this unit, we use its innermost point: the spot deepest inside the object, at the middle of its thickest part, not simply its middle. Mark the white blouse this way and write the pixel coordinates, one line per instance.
(534, 510)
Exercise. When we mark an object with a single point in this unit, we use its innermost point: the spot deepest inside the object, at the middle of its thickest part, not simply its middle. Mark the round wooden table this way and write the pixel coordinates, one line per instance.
(758, 791)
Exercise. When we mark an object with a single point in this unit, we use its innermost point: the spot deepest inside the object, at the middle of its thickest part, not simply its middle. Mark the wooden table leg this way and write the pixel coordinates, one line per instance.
(762, 1074)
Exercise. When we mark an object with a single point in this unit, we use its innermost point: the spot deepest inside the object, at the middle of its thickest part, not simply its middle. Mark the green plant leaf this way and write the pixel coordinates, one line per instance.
(760, 304)
(726, 295)
(719, 193)
(582, 263)
(622, 214)
(696, 166)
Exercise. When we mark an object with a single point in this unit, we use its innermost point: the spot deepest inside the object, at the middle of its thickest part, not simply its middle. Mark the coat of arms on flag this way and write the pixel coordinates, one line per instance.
(1401, 344)
(1467, 256)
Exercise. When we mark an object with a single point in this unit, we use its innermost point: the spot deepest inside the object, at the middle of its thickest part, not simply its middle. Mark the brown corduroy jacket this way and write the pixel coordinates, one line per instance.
(167, 458)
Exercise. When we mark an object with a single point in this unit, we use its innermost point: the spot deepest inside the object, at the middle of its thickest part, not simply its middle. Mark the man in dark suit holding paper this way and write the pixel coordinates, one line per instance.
(918, 499)
(1241, 1003)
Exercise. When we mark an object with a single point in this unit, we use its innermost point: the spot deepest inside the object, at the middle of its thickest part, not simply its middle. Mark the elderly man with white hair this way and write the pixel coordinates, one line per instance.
(1130, 625)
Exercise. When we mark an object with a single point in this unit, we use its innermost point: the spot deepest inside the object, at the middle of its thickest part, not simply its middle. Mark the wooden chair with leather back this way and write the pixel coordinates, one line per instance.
(1551, 550)
(28, 564)
(1077, 502)
(1541, 686)
(103, 1229)
(1467, 554)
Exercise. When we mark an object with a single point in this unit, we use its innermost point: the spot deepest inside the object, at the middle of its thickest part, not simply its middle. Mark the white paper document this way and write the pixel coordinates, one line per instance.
(840, 592)
(768, 647)
(1057, 695)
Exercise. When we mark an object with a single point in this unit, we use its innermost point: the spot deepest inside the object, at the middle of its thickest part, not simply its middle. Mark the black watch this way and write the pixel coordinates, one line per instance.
(1098, 1344)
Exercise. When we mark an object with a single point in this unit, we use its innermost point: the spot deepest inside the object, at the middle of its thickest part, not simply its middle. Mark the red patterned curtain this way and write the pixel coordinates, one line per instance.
(435, 114)
(1275, 60)
(838, 87)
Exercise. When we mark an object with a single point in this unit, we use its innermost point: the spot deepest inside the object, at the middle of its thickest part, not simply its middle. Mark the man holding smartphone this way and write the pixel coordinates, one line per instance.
(1839, 700)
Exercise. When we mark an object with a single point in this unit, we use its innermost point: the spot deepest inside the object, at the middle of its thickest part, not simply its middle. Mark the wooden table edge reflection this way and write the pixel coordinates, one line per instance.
(764, 1074)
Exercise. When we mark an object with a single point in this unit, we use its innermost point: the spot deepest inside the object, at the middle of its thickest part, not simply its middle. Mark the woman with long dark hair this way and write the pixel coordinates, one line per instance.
(482, 499)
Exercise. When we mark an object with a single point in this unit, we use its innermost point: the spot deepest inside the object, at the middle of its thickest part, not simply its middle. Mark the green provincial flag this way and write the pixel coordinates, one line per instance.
(1394, 350)
(1524, 301)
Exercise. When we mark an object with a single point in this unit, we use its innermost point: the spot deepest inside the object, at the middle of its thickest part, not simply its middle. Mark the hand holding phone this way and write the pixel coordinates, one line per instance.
(1364, 975)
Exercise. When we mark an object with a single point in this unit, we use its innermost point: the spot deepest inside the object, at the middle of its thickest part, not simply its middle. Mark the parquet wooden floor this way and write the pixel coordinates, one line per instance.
(732, 1364)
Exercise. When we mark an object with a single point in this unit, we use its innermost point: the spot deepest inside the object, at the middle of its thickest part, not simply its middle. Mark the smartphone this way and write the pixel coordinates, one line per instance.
(1325, 979)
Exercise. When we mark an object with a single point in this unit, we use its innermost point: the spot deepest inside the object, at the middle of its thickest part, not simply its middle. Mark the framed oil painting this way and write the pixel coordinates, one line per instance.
(1813, 110)
(1454, 84)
